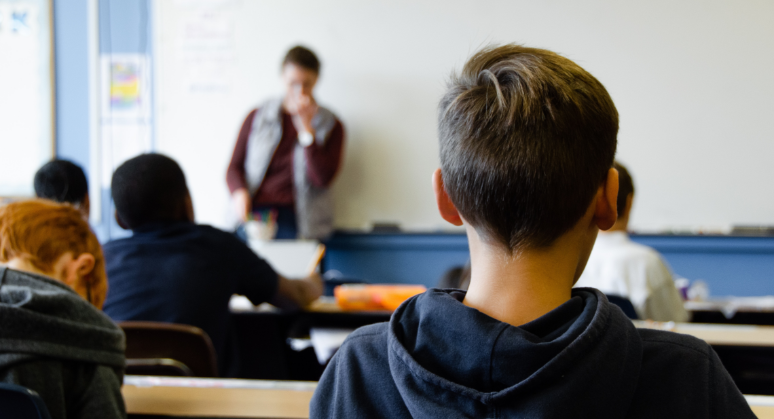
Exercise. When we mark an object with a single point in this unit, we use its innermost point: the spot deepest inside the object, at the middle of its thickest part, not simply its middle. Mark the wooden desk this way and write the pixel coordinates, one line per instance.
(733, 310)
(762, 406)
(197, 397)
(719, 334)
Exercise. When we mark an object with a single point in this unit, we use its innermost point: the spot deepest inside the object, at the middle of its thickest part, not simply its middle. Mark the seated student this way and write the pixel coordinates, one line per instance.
(63, 181)
(173, 270)
(619, 266)
(527, 140)
(53, 338)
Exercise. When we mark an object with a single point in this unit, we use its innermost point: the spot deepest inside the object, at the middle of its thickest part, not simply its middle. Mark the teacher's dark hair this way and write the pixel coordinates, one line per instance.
(302, 57)
(526, 139)
(149, 188)
(61, 181)
(625, 187)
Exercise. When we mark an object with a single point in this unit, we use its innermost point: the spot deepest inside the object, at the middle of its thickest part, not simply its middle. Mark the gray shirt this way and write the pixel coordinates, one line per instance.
(56, 343)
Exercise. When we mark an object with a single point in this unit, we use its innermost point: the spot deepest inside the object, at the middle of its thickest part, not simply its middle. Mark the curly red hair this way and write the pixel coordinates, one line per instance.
(42, 231)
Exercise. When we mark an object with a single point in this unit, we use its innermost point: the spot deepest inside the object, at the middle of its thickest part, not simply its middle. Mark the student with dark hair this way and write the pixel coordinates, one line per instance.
(287, 154)
(173, 270)
(527, 140)
(618, 266)
(63, 181)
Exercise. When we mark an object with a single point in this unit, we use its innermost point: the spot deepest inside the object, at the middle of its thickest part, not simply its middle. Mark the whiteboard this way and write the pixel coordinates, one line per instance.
(26, 113)
(692, 81)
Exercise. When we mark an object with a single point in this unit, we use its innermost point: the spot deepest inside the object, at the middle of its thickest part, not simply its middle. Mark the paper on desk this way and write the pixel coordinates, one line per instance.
(290, 258)
(326, 341)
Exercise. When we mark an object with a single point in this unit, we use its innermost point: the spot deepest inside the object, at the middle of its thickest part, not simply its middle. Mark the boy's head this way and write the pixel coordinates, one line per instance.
(63, 181)
(526, 139)
(150, 188)
(53, 239)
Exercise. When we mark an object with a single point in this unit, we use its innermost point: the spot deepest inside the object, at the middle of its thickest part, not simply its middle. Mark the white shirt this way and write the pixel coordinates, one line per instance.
(619, 266)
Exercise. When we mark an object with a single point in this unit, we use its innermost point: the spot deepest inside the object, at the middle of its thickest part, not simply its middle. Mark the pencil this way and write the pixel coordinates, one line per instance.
(318, 255)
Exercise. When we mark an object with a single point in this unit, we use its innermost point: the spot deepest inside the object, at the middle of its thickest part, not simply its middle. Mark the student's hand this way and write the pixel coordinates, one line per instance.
(242, 203)
(302, 292)
(314, 287)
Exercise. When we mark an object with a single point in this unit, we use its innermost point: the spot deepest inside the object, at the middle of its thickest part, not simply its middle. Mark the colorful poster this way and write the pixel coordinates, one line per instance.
(125, 87)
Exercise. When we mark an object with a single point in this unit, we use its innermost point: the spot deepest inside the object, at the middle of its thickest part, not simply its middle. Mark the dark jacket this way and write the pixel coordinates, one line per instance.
(56, 343)
(438, 358)
(181, 272)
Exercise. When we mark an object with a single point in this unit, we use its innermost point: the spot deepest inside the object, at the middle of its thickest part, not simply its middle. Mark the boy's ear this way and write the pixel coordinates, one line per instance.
(606, 212)
(445, 206)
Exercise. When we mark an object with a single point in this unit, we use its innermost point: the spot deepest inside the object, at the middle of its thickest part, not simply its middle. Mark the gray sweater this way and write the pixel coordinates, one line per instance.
(56, 343)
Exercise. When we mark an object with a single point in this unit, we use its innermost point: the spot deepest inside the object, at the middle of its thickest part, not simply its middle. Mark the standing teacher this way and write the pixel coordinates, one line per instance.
(287, 154)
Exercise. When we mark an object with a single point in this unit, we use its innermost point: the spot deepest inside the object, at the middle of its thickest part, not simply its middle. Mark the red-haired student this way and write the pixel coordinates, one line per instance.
(54, 339)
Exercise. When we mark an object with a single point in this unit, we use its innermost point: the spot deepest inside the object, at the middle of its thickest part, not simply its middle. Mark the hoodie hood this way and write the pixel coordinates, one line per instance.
(41, 317)
(583, 358)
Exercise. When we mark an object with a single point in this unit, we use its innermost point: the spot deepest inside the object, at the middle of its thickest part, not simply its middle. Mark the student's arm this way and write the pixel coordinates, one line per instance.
(323, 160)
(260, 283)
(293, 293)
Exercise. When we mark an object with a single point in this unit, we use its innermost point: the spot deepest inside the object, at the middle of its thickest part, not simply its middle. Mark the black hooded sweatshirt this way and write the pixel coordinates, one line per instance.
(56, 343)
(438, 358)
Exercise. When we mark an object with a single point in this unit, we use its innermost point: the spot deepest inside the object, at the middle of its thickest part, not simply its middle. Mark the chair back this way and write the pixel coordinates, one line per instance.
(624, 304)
(154, 348)
(19, 402)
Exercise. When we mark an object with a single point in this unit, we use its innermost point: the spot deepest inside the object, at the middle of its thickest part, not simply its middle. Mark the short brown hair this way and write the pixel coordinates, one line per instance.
(42, 231)
(302, 57)
(625, 187)
(526, 138)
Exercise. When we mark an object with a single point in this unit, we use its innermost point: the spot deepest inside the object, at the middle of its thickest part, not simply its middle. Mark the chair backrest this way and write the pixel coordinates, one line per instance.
(168, 349)
(624, 304)
(17, 402)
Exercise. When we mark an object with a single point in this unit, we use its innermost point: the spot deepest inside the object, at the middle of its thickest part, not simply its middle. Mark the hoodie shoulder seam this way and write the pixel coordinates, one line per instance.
(701, 351)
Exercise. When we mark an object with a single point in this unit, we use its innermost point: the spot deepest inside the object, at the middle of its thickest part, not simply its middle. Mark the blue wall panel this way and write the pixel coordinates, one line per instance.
(741, 266)
(71, 57)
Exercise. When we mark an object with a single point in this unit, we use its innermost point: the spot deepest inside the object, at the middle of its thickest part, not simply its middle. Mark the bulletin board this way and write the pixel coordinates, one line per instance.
(27, 86)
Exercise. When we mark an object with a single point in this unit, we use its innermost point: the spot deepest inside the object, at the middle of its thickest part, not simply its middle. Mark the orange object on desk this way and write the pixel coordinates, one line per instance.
(374, 297)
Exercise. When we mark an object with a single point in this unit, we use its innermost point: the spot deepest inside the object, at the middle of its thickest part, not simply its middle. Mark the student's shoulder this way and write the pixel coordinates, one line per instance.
(642, 251)
(368, 335)
(365, 344)
(674, 342)
(219, 236)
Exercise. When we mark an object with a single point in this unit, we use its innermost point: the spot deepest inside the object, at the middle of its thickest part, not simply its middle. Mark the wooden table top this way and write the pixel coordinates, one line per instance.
(198, 397)
(718, 334)
(204, 397)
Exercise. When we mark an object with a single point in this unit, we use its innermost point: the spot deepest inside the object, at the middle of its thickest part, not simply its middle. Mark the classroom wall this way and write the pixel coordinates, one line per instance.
(740, 266)
(691, 80)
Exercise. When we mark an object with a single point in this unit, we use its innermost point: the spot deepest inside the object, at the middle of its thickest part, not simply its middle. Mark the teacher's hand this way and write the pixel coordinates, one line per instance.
(304, 111)
(242, 203)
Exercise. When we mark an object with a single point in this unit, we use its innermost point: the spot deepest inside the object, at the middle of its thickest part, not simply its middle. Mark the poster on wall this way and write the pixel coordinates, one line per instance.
(26, 114)
(125, 125)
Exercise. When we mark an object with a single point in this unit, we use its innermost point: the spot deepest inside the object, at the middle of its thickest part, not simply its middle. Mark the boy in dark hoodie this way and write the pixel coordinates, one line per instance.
(53, 337)
(527, 140)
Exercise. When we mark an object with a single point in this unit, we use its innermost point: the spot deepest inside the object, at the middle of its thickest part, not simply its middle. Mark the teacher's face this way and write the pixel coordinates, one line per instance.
(298, 80)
